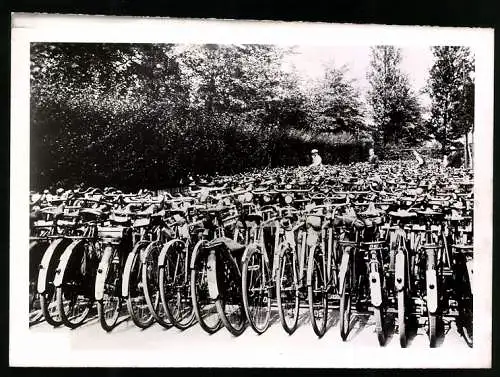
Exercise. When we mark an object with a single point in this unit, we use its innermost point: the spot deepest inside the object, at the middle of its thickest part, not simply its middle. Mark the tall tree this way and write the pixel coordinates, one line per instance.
(336, 105)
(395, 109)
(451, 89)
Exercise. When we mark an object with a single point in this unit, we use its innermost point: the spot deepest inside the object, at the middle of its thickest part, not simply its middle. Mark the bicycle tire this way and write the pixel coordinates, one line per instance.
(378, 313)
(50, 310)
(136, 302)
(176, 284)
(402, 318)
(287, 293)
(317, 289)
(36, 253)
(230, 301)
(345, 303)
(75, 287)
(150, 284)
(111, 301)
(204, 308)
(465, 323)
(433, 326)
(48, 297)
(256, 269)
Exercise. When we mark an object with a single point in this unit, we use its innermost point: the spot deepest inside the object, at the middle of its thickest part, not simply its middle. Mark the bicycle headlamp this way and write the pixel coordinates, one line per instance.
(266, 198)
(248, 197)
(288, 199)
(226, 202)
(288, 186)
(241, 198)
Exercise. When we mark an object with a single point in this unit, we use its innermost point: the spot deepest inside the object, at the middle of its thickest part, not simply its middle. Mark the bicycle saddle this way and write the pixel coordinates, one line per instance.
(402, 214)
(91, 213)
(428, 212)
(233, 246)
(119, 220)
(348, 220)
(314, 221)
(371, 211)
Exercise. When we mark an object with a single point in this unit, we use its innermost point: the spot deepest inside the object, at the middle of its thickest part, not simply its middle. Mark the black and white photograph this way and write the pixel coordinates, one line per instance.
(229, 193)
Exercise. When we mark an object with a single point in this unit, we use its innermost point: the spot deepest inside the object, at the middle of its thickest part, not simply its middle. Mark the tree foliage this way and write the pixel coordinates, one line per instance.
(335, 103)
(451, 89)
(149, 114)
(394, 106)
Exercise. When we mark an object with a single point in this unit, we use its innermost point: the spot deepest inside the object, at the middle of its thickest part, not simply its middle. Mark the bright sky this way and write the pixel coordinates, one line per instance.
(309, 62)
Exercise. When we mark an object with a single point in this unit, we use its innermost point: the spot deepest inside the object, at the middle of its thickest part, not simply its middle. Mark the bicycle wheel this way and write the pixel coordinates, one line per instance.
(317, 292)
(50, 310)
(150, 284)
(175, 285)
(402, 318)
(345, 298)
(136, 300)
(378, 313)
(433, 326)
(204, 307)
(108, 308)
(46, 275)
(230, 301)
(36, 253)
(75, 294)
(287, 289)
(256, 289)
(465, 321)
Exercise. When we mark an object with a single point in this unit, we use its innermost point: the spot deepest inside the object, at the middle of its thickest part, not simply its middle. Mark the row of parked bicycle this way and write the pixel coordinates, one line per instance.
(225, 250)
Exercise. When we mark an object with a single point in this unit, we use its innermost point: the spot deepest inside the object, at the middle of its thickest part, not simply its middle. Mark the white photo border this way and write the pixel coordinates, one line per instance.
(57, 349)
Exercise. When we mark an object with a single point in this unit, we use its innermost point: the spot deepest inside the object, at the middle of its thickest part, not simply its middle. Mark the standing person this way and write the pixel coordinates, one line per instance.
(420, 160)
(454, 158)
(373, 158)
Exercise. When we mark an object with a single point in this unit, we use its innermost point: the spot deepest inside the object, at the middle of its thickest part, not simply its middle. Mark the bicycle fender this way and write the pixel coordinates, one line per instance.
(310, 266)
(470, 270)
(432, 299)
(145, 251)
(344, 265)
(127, 270)
(375, 289)
(196, 250)
(164, 250)
(400, 273)
(63, 262)
(213, 289)
(43, 269)
(102, 271)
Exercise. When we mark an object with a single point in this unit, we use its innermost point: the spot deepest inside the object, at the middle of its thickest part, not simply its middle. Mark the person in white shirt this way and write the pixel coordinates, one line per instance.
(419, 158)
(316, 159)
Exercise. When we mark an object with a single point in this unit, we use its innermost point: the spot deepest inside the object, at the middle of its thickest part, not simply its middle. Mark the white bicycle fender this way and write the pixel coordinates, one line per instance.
(43, 269)
(400, 273)
(249, 248)
(343, 269)
(102, 271)
(213, 289)
(128, 268)
(375, 289)
(310, 262)
(126, 273)
(63, 262)
(432, 300)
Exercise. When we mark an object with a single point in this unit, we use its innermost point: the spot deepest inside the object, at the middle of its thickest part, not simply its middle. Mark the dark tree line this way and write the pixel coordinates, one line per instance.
(134, 115)
(150, 114)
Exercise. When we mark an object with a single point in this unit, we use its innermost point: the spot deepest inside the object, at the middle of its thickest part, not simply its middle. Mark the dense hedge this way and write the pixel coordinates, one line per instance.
(157, 158)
